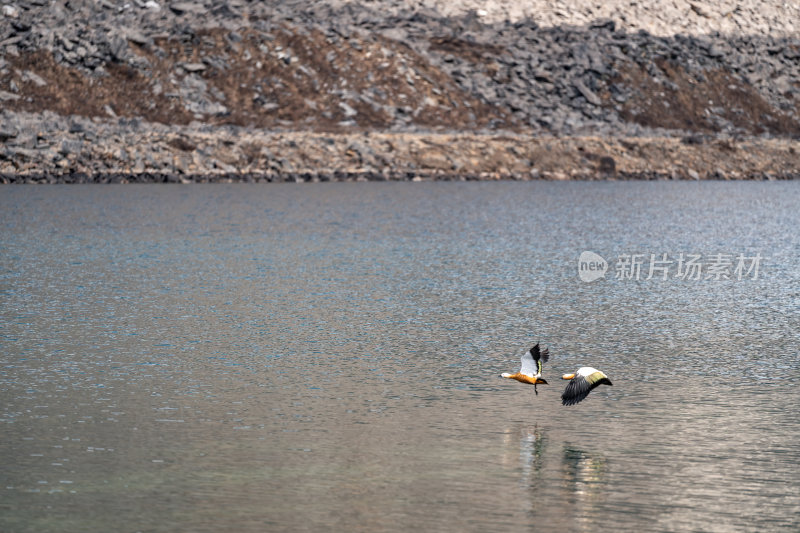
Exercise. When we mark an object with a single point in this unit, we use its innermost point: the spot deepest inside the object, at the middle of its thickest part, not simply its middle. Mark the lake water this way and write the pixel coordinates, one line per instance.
(327, 357)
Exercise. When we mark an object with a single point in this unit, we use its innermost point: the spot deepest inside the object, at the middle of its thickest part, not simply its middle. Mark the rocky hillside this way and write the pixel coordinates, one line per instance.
(686, 70)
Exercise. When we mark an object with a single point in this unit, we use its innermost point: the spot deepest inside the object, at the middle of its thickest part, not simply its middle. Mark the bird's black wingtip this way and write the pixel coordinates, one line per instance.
(538, 353)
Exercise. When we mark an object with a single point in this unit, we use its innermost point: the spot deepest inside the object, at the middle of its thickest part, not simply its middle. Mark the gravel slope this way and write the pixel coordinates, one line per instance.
(700, 72)
(658, 17)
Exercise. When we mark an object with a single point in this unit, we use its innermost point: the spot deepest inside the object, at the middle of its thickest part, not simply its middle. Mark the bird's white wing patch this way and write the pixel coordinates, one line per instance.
(528, 364)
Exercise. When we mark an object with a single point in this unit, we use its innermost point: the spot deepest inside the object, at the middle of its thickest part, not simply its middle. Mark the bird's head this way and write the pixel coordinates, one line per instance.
(568, 376)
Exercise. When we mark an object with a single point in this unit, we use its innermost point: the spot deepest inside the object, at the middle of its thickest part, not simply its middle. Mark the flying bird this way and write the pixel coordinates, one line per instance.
(531, 370)
(581, 384)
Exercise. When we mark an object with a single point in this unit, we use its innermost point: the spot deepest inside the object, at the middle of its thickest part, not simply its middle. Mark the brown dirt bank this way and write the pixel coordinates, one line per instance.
(185, 156)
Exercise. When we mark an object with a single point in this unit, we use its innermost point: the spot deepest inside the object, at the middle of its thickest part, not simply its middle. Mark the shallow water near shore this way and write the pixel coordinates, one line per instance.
(327, 356)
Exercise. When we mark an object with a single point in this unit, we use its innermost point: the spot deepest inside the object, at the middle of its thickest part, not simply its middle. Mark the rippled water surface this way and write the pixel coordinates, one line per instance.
(327, 357)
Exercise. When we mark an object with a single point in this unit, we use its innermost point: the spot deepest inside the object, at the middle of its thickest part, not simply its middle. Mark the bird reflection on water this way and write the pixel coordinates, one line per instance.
(584, 481)
(531, 451)
(574, 476)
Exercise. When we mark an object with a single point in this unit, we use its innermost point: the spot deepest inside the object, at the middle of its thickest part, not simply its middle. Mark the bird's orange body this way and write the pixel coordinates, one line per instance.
(530, 380)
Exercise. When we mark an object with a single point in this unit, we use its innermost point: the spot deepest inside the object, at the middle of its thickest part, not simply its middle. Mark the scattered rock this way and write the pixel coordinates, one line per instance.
(587, 93)
(10, 11)
(32, 77)
(70, 147)
(182, 8)
(607, 165)
(700, 9)
(348, 111)
(137, 37)
(6, 134)
(193, 67)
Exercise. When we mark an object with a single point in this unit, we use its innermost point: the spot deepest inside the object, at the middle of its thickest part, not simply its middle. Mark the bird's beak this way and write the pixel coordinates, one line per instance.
(568, 376)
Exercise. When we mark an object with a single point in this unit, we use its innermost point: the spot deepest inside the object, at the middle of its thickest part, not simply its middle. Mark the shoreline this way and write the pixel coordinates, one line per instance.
(170, 155)
(128, 179)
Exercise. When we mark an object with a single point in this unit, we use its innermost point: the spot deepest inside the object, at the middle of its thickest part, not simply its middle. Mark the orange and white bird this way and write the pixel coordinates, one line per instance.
(581, 384)
(531, 370)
